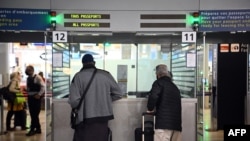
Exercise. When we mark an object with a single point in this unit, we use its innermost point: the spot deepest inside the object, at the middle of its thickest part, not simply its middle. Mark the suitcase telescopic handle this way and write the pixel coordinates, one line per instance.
(146, 113)
(143, 122)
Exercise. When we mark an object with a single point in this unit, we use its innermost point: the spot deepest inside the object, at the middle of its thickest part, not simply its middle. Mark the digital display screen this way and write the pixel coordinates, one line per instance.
(86, 24)
(86, 16)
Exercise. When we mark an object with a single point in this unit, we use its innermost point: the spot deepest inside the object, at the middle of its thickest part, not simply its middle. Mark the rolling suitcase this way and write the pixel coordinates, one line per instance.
(20, 119)
(146, 132)
(109, 135)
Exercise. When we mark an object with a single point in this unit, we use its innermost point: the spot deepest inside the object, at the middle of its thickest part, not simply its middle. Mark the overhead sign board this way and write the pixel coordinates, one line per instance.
(24, 19)
(225, 20)
(85, 20)
(116, 21)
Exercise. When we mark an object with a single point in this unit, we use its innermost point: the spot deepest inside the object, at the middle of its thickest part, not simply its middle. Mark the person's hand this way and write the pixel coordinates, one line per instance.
(24, 88)
(37, 96)
(150, 111)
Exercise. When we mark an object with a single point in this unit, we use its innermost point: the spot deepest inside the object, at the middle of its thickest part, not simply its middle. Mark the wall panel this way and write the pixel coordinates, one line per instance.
(29, 4)
(125, 4)
(224, 4)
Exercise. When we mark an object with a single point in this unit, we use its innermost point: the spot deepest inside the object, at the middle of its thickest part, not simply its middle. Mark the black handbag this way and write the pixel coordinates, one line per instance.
(8, 95)
(74, 111)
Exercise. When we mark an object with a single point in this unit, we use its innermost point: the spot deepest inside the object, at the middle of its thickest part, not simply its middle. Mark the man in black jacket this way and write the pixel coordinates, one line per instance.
(165, 98)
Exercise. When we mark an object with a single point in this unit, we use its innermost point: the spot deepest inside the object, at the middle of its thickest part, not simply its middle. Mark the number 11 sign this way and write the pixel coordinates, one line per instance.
(188, 37)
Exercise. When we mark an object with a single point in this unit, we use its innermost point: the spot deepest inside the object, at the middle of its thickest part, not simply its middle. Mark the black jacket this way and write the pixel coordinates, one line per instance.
(166, 98)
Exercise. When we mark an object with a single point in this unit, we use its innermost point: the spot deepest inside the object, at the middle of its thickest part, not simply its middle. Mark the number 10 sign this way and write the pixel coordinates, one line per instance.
(188, 37)
(60, 36)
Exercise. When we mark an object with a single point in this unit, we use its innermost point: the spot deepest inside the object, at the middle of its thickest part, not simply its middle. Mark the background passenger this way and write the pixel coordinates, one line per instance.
(35, 89)
(13, 107)
(41, 74)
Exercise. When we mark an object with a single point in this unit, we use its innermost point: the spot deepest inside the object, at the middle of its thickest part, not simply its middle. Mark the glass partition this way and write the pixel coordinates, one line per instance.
(149, 56)
(120, 61)
(200, 92)
(131, 62)
(60, 70)
(132, 65)
(184, 73)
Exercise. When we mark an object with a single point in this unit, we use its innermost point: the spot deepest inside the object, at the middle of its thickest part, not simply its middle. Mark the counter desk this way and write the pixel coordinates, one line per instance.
(127, 112)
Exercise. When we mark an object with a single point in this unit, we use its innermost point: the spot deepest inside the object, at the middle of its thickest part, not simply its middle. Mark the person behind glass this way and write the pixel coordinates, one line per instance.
(93, 126)
(35, 89)
(41, 74)
(165, 100)
(15, 79)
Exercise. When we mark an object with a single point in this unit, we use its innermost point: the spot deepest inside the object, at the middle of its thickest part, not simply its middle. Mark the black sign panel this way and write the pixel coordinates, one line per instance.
(167, 21)
(163, 16)
(163, 25)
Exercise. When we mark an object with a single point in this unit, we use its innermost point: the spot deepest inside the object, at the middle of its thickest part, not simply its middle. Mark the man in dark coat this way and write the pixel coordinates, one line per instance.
(35, 90)
(165, 98)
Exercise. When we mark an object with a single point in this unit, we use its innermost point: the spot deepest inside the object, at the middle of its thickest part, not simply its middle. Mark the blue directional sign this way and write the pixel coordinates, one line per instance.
(24, 19)
(225, 20)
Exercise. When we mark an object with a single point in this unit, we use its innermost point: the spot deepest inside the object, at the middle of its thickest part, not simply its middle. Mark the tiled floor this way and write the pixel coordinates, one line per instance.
(211, 134)
(19, 135)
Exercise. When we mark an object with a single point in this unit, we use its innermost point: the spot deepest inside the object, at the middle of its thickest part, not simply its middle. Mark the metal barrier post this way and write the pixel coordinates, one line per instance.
(1, 116)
